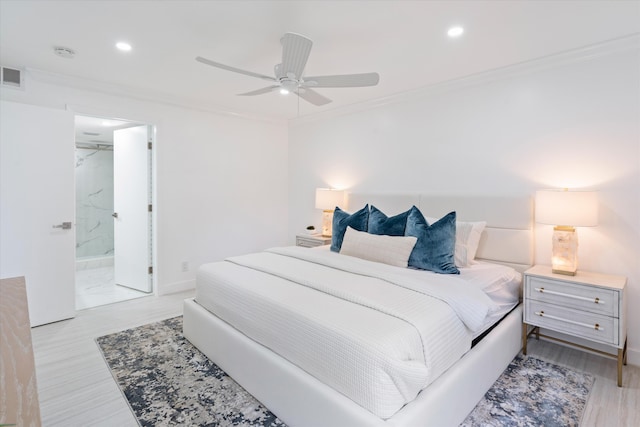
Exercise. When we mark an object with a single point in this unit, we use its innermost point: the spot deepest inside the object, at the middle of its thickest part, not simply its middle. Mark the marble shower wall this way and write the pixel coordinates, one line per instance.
(94, 203)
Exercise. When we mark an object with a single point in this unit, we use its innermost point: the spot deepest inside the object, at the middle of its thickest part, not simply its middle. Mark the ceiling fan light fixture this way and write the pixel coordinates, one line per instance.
(288, 73)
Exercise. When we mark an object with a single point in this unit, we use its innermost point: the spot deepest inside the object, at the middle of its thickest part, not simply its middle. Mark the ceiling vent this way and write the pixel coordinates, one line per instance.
(12, 77)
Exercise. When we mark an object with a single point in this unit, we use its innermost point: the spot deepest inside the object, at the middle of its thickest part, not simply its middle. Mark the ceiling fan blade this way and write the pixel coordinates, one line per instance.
(260, 91)
(312, 96)
(295, 52)
(344, 80)
(235, 70)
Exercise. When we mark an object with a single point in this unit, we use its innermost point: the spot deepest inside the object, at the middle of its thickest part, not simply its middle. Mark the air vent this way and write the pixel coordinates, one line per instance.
(12, 77)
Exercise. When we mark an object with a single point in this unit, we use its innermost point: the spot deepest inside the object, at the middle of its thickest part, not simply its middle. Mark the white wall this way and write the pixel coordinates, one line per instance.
(220, 181)
(569, 122)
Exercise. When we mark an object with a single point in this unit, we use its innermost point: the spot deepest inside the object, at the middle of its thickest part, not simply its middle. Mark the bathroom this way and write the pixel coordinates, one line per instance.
(95, 242)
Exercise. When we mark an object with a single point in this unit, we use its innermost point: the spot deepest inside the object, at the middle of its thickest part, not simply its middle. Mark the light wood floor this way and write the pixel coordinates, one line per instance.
(74, 384)
(76, 388)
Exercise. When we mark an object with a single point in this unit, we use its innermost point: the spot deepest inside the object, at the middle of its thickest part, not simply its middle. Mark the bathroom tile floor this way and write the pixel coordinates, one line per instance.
(96, 286)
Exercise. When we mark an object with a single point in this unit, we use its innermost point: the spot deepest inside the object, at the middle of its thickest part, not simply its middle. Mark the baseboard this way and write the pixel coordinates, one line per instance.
(633, 357)
(175, 287)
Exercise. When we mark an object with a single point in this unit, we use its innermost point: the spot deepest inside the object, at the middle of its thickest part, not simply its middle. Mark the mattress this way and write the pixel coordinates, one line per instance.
(377, 334)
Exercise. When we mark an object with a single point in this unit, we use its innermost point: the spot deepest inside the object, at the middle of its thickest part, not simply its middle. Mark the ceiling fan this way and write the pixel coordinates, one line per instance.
(288, 74)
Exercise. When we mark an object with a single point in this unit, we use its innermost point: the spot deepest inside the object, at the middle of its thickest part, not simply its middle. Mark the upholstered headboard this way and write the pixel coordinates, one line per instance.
(507, 239)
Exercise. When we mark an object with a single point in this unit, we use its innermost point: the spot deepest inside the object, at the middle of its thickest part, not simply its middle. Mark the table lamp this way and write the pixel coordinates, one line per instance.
(566, 210)
(327, 199)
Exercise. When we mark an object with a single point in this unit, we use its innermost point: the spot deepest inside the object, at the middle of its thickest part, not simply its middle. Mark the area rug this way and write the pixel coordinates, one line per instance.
(532, 392)
(168, 382)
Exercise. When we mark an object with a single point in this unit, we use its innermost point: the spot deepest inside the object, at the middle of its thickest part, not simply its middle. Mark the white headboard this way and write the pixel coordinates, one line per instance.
(507, 239)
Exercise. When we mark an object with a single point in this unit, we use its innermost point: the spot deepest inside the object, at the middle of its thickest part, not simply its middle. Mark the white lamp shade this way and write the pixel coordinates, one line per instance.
(569, 208)
(328, 199)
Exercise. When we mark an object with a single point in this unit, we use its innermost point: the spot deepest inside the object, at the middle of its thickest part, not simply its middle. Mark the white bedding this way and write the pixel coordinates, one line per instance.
(378, 341)
(500, 283)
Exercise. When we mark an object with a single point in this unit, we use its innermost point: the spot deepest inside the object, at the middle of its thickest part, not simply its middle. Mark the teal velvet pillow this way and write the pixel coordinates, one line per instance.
(341, 220)
(379, 223)
(435, 248)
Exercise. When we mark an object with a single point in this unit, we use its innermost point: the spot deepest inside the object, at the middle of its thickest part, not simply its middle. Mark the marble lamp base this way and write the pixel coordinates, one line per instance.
(564, 259)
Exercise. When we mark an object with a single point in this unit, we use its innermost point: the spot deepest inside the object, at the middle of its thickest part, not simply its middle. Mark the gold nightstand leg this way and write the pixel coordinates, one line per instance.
(622, 359)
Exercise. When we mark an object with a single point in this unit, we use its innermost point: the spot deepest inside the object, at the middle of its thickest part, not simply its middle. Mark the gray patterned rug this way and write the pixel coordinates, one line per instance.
(168, 382)
(532, 392)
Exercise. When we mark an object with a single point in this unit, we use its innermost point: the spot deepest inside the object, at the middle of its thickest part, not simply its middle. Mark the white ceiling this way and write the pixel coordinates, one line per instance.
(404, 41)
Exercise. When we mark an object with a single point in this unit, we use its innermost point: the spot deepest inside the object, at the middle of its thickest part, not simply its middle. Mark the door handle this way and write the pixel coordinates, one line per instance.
(115, 215)
(64, 226)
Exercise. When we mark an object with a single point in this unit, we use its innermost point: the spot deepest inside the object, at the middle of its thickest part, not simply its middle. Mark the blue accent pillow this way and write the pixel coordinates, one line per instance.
(341, 220)
(436, 245)
(379, 223)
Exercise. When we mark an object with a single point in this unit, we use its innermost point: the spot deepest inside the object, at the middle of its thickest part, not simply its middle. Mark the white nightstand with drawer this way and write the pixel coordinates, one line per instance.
(312, 240)
(588, 305)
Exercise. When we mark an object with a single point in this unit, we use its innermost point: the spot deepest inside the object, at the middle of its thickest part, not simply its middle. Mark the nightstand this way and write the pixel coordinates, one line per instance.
(590, 306)
(312, 240)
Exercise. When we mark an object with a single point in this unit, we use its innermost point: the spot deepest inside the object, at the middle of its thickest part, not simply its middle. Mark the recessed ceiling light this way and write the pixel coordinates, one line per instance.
(455, 31)
(123, 46)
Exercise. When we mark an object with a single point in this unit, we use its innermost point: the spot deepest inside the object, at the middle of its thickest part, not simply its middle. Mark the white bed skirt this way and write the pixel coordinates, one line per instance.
(299, 399)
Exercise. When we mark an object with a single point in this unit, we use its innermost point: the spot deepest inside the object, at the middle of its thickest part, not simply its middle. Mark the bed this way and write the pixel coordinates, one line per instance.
(442, 396)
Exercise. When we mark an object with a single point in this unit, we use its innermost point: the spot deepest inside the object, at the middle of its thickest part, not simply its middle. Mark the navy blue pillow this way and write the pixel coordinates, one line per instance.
(341, 220)
(435, 248)
(379, 223)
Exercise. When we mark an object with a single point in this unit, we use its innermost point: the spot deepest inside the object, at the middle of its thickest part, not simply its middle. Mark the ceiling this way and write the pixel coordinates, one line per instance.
(404, 41)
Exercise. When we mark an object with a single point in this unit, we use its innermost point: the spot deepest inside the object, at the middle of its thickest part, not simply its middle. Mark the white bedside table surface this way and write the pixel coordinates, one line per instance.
(312, 237)
(586, 277)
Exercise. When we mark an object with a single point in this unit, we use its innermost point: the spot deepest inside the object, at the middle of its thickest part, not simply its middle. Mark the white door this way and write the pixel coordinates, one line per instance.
(37, 196)
(131, 159)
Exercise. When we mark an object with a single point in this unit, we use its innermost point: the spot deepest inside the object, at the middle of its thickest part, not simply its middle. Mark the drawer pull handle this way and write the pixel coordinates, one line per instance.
(597, 326)
(562, 294)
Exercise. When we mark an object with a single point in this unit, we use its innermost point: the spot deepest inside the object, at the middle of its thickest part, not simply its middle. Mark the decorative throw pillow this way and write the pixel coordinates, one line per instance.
(467, 240)
(379, 223)
(392, 250)
(341, 220)
(436, 242)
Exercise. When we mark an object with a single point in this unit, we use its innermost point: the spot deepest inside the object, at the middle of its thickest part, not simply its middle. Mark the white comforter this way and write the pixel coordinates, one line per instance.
(376, 333)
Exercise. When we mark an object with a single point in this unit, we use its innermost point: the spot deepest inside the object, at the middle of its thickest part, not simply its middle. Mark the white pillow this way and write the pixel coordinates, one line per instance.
(467, 240)
(392, 250)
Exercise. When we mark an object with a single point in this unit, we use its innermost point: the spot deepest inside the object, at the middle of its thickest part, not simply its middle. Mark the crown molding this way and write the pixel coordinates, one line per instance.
(143, 95)
(573, 56)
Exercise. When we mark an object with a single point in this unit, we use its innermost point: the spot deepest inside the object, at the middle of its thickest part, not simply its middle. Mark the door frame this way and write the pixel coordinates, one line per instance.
(110, 114)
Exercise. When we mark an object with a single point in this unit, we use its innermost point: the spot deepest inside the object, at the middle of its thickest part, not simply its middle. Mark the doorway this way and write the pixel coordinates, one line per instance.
(113, 210)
